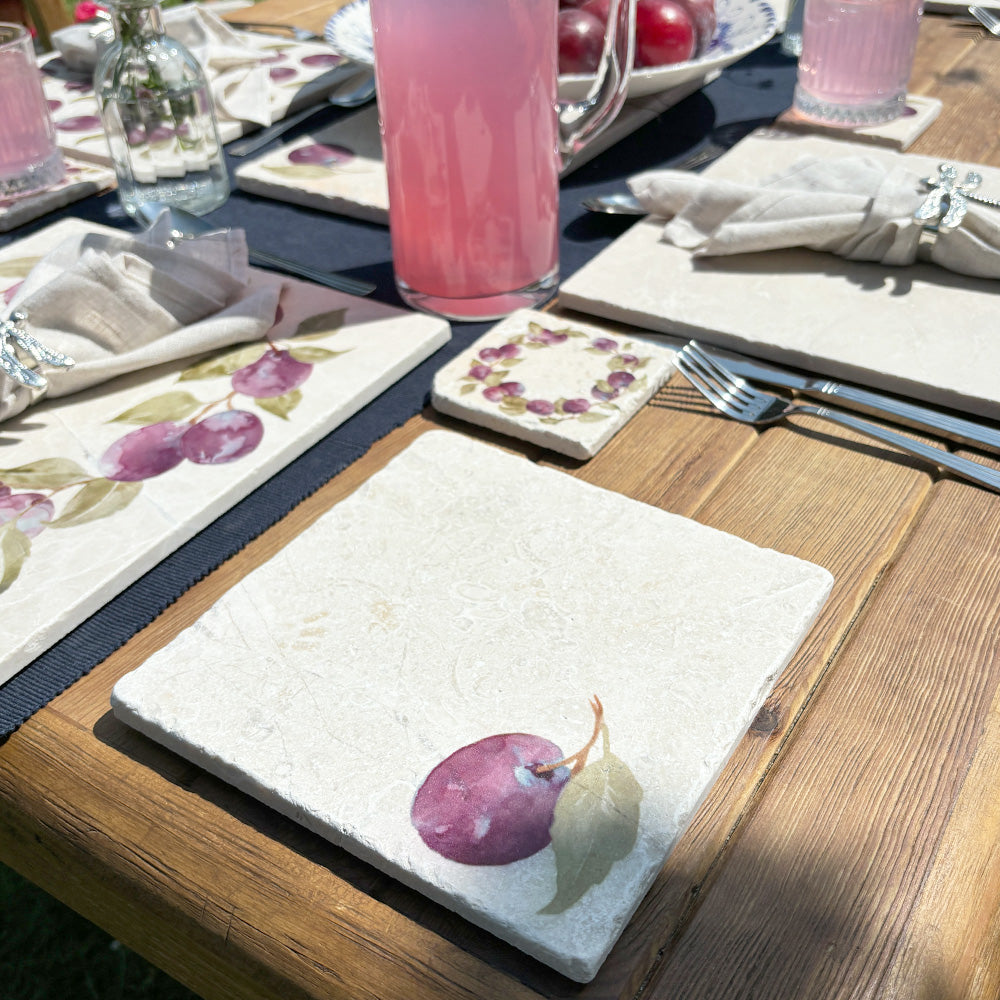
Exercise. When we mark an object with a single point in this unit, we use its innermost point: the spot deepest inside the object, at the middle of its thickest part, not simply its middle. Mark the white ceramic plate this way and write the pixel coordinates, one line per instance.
(743, 25)
(349, 32)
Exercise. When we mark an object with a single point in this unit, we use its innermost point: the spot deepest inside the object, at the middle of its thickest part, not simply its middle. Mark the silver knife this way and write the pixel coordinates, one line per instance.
(952, 427)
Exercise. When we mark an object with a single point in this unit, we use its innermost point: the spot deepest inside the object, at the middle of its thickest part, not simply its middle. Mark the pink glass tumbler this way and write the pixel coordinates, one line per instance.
(30, 161)
(857, 56)
(474, 138)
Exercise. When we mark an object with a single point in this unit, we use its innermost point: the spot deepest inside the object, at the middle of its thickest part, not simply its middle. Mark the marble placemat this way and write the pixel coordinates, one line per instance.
(918, 331)
(71, 537)
(506, 687)
(82, 180)
(340, 168)
(297, 74)
(566, 386)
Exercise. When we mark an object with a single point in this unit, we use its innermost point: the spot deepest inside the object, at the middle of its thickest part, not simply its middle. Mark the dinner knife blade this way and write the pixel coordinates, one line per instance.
(953, 427)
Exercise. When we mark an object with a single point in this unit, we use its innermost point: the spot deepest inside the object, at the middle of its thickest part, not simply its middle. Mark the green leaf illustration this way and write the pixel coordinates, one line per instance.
(98, 498)
(15, 546)
(302, 171)
(19, 267)
(281, 406)
(466, 389)
(312, 355)
(46, 474)
(513, 406)
(224, 364)
(320, 325)
(175, 405)
(595, 824)
(592, 417)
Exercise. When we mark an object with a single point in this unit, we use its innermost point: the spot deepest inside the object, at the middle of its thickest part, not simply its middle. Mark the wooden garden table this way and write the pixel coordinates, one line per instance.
(849, 849)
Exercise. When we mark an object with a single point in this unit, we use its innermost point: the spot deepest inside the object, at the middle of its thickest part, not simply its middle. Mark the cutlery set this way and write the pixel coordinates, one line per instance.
(717, 381)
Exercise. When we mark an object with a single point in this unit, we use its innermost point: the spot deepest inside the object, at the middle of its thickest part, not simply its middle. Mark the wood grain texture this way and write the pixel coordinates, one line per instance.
(849, 849)
(832, 887)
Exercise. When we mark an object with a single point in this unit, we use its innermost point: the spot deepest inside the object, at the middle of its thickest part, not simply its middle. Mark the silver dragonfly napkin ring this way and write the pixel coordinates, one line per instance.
(13, 334)
(948, 200)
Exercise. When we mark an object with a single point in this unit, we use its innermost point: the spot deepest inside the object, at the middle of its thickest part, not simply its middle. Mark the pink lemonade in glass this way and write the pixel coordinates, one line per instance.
(471, 149)
(30, 161)
(856, 60)
(473, 137)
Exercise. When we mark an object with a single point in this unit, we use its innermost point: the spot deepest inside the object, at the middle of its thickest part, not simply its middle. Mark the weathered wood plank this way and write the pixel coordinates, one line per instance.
(829, 888)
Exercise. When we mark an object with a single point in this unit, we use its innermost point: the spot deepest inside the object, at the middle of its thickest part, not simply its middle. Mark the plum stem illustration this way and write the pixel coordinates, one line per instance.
(579, 759)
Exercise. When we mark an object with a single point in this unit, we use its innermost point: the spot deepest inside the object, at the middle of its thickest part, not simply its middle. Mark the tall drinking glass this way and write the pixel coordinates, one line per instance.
(30, 161)
(474, 137)
(857, 56)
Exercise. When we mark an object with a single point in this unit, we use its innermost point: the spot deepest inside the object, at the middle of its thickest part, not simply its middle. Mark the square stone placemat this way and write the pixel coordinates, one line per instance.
(466, 598)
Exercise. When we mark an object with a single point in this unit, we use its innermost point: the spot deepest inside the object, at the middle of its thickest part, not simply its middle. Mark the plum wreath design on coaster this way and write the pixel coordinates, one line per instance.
(506, 797)
(490, 370)
(170, 428)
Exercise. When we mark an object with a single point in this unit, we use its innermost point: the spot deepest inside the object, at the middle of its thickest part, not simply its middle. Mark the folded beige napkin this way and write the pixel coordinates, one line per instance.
(117, 304)
(852, 206)
(239, 78)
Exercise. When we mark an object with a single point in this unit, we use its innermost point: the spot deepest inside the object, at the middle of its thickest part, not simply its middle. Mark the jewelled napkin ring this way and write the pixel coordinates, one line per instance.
(948, 200)
(12, 333)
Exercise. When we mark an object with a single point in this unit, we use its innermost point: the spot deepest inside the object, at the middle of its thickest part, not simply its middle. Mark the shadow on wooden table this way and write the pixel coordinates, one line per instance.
(781, 913)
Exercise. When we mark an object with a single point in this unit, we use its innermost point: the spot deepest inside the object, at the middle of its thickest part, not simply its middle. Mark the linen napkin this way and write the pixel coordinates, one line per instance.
(851, 206)
(117, 304)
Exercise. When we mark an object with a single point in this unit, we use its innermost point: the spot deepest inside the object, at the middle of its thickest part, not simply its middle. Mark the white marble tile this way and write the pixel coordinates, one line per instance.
(566, 386)
(463, 593)
(95, 537)
(918, 330)
(82, 180)
(899, 134)
(340, 168)
(297, 79)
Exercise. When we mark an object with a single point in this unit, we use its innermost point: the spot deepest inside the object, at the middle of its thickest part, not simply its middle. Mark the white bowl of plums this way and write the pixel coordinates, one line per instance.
(676, 41)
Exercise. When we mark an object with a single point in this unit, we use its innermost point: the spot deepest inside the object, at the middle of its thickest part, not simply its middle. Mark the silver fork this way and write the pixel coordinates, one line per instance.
(740, 400)
(987, 19)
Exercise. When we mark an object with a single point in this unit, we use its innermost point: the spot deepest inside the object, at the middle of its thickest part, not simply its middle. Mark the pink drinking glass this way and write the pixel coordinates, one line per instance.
(474, 138)
(30, 161)
(857, 56)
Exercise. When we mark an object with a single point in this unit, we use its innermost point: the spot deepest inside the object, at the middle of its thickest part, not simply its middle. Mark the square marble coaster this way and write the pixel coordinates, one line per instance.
(900, 134)
(91, 536)
(468, 606)
(919, 331)
(82, 180)
(566, 386)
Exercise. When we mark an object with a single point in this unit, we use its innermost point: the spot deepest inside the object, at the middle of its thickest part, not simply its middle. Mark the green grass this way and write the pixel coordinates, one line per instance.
(48, 952)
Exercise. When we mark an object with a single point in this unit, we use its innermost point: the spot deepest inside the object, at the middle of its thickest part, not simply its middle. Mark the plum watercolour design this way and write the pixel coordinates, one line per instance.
(506, 797)
(491, 368)
(73, 104)
(173, 427)
(315, 161)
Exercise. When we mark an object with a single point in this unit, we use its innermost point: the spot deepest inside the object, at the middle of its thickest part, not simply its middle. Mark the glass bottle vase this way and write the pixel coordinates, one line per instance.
(158, 116)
